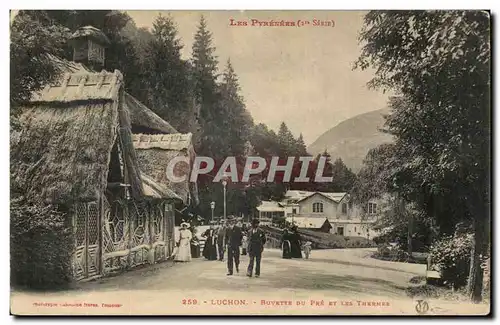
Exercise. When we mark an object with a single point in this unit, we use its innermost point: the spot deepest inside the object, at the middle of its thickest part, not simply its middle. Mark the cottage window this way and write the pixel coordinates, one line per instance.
(344, 208)
(372, 208)
(318, 207)
(294, 211)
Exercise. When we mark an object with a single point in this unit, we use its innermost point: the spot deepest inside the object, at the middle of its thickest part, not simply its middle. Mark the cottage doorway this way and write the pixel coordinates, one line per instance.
(86, 226)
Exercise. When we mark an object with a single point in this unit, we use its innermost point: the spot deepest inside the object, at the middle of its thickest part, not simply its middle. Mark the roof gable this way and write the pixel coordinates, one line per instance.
(81, 86)
(140, 115)
(67, 133)
(177, 141)
(335, 197)
(270, 206)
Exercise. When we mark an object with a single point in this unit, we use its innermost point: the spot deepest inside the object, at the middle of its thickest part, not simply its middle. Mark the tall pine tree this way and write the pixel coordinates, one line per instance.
(301, 146)
(166, 75)
(204, 70)
(286, 140)
(237, 122)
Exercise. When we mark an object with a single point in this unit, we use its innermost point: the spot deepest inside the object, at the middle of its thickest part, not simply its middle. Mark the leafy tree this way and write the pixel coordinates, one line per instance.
(121, 54)
(264, 141)
(439, 64)
(343, 177)
(32, 40)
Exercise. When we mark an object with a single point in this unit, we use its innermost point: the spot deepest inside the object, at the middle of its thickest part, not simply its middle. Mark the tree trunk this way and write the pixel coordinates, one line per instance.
(475, 281)
(410, 235)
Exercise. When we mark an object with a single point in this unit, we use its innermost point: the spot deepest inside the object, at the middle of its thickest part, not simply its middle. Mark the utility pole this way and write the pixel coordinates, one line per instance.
(212, 206)
(224, 183)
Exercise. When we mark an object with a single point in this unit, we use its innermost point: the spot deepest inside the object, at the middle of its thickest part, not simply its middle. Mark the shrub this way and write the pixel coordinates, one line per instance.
(451, 255)
(383, 250)
(41, 246)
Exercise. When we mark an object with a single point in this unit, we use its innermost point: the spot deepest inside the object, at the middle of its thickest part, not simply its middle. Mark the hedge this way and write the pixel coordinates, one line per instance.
(451, 254)
(41, 245)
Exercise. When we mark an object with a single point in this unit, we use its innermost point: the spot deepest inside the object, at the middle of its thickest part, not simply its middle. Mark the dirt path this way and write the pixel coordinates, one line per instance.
(331, 282)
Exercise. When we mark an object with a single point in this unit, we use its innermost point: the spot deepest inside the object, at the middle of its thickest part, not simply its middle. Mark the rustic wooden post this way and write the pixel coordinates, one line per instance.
(100, 222)
(151, 252)
(129, 234)
(86, 251)
(168, 241)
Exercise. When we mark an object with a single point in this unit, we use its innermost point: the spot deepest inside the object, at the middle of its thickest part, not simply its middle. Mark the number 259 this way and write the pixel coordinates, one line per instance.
(189, 301)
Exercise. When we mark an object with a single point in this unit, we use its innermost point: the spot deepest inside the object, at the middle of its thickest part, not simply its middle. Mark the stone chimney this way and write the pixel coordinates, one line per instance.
(89, 44)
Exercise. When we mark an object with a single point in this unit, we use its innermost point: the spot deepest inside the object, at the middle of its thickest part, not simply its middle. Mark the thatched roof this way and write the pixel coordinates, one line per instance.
(155, 152)
(157, 191)
(86, 86)
(92, 33)
(140, 115)
(67, 133)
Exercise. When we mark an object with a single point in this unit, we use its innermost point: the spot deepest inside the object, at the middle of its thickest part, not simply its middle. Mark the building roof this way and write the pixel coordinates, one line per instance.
(140, 115)
(177, 141)
(307, 222)
(154, 153)
(91, 32)
(270, 206)
(80, 86)
(352, 221)
(297, 196)
(154, 190)
(67, 131)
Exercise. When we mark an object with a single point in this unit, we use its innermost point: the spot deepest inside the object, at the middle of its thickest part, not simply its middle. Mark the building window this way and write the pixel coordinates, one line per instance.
(340, 231)
(294, 211)
(372, 208)
(344, 208)
(318, 207)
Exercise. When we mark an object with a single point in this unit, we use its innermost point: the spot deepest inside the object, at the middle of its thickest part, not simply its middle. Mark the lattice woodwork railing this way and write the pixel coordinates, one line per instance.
(86, 256)
(114, 236)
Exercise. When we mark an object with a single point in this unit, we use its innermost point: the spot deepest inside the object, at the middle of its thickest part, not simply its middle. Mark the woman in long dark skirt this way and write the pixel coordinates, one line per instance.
(285, 244)
(296, 243)
(210, 250)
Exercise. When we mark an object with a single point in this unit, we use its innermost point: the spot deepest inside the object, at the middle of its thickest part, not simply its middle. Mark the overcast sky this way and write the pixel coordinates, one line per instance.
(302, 76)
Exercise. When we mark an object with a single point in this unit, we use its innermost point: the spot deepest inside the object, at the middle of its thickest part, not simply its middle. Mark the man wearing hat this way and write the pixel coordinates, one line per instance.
(256, 241)
(221, 236)
(233, 241)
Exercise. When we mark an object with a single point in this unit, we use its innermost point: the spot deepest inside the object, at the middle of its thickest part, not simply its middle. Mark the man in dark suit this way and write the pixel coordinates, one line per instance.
(234, 236)
(221, 236)
(256, 241)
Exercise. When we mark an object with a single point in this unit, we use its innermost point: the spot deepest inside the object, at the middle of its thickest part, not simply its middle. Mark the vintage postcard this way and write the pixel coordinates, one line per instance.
(250, 162)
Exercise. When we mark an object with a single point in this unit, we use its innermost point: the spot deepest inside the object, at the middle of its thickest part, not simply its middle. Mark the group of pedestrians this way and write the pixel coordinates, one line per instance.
(292, 244)
(231, 237)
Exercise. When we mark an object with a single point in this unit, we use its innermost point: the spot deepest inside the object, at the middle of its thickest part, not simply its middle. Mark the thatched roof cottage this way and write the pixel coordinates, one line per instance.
(75, 149)
(155, 152)
(62, 153)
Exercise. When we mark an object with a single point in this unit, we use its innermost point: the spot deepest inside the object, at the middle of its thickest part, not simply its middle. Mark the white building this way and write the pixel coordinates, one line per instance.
(269, 210)
(345, 218)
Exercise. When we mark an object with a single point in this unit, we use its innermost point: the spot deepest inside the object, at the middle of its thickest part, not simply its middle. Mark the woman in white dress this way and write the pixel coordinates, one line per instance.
(184, 244)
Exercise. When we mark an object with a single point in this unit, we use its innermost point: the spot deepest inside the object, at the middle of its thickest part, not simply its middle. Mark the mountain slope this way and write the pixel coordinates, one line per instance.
(353, 138)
